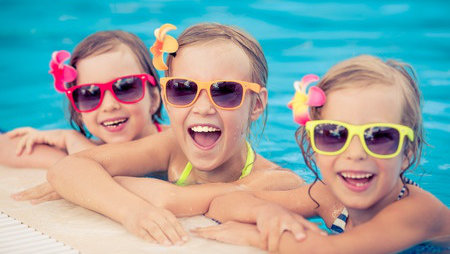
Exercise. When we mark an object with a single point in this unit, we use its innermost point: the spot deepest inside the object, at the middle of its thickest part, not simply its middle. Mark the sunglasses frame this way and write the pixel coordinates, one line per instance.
(108, 87)
(359, 131)
(206, 85)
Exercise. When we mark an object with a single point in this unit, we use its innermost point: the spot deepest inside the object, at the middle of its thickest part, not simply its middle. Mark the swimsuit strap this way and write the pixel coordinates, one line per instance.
(339, 224)
(158, 127)
(245, 171)
(406, 181)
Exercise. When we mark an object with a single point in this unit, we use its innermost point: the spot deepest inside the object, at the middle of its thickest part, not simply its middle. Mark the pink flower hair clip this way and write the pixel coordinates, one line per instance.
(164, 44)
(301, 102)
(62, 73)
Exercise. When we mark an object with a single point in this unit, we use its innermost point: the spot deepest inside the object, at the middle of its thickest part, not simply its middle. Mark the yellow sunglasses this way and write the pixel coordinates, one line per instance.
(224, 94)
(380, 140)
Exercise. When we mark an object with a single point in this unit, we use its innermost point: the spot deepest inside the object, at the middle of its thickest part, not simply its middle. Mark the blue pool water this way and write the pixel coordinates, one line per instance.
(297, 37)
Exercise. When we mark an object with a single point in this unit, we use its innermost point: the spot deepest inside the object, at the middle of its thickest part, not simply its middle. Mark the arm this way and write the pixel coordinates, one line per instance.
(247, 205)
(70, 141)
(180, 200)
(85, 179)
(195, 199)
(412, 220)
(43, 156)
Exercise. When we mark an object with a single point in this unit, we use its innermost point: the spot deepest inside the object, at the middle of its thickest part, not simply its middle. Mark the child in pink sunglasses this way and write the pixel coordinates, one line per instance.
(215, 87)
(114, 96)
(363, 139)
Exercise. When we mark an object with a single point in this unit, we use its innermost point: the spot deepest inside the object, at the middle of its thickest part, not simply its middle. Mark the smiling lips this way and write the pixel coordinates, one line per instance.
(357, 181)
(204, 136)
(115, 124)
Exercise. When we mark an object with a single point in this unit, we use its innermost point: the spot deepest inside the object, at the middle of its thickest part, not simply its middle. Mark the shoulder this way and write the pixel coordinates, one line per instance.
(267, 175)
(421, 211)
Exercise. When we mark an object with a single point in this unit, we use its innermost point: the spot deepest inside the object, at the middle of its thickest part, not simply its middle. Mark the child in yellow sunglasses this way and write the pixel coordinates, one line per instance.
(215, 87)
(363, 139)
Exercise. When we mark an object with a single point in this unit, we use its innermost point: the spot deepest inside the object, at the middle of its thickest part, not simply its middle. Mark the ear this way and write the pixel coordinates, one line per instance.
(155, 99)
(259, 105)
(406, 159)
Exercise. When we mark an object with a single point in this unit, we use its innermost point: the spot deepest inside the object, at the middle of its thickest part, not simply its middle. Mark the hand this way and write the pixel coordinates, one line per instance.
(30, 136)
(272, 220)
(37, 194)
(156, 225)
(232, 232)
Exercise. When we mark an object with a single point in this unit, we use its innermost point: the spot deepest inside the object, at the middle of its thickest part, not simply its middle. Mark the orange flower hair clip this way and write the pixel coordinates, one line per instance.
(164, 43)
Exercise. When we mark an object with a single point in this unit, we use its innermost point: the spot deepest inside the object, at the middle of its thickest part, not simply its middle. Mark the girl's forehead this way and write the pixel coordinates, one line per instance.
(364, 104)
(101, 68)
(212, 60)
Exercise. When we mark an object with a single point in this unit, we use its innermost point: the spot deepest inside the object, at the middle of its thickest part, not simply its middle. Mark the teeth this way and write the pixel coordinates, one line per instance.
(109, 123)
(356, 176)
(204, 129)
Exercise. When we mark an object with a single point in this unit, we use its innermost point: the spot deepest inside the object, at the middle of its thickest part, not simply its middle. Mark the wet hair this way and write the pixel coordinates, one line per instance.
(207, 32)
(364, 71)
(106, 41)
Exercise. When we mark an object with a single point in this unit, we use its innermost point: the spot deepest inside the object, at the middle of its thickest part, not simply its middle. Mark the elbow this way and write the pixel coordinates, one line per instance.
(57, 171)
(215, 208)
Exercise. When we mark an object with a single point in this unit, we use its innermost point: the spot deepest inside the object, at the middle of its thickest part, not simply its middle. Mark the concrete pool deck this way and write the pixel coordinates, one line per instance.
(90, 232)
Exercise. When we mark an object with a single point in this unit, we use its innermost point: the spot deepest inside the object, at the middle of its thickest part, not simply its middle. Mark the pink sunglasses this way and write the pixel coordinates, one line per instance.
(127, 89)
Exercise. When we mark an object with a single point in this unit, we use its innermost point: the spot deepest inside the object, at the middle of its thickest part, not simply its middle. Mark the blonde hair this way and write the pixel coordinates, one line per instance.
(105, 41)
(207, 32)
(363, 71)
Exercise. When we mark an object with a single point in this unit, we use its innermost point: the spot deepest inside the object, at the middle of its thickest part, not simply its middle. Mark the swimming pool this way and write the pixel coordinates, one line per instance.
(297, 37)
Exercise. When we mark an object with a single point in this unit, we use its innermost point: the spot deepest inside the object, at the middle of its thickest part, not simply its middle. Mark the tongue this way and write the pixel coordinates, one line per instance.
(355, 181)
(206, 139)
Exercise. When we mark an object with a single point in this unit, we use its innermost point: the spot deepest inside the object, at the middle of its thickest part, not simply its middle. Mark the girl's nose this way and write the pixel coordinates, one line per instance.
(109, 103)
(203, 105)
(355, 150)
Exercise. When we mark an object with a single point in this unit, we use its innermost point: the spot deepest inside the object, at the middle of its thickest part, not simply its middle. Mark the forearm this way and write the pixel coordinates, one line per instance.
(313, 243)
(86, 183)
(43, 156)
(181, 201)
(237, 206)
(76, 142)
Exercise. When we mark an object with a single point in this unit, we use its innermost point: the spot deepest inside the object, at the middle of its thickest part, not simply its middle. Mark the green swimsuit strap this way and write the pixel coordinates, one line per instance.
(245, 171)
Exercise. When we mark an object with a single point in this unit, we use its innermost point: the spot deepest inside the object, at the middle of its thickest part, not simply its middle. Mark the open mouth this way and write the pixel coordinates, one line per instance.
(114, 123)
(356, 179)
(204, 136)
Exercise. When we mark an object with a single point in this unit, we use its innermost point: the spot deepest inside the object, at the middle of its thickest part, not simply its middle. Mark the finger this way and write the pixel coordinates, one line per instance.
(309, 225)
(16, 132)
(177, 226)
(29, 146)
(207, 232)
(297, 230)
(169, 230)
(273, 237)
(20, 146)
(263, 231)
(35, 192)
(155, 231)
(144, 235)
(48, 197)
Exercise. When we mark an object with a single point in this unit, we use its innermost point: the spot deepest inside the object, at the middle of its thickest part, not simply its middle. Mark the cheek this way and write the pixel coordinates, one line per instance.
(89, 121)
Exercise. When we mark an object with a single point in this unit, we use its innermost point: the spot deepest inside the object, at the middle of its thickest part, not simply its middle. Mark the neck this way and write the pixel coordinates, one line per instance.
(360, 216)
(229, 171)
(149, 129)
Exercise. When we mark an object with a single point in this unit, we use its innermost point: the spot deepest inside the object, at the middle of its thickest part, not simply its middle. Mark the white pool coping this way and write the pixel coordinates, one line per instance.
(90, 232)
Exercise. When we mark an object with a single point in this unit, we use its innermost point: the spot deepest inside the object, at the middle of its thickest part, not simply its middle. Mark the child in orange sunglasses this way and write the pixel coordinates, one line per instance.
(129, 110)
(363, 139)
(215, 87)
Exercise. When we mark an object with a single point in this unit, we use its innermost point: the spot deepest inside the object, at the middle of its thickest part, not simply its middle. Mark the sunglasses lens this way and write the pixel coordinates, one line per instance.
(227, 94)
(330, 137)
(382, 140)
(86, 97)
(180, 91)
(129, 89)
